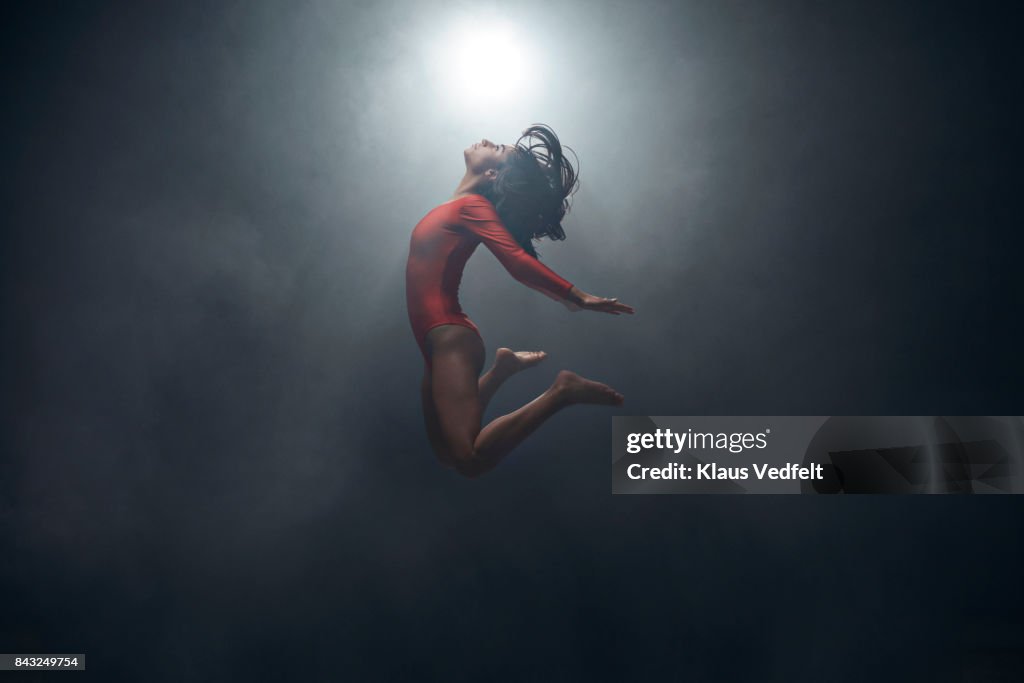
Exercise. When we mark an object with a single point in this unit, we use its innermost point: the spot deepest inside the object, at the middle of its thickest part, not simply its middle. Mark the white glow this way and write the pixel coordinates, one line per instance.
(483, 63)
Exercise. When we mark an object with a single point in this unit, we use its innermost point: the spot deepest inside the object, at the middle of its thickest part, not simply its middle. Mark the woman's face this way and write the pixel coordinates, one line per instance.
(485, 155)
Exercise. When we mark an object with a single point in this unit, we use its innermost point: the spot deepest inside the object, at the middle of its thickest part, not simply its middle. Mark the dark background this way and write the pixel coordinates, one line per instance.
(213, 463)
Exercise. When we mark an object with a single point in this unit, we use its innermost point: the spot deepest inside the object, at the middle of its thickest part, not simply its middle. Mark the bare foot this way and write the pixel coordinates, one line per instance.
(508, 362)
(576, 389)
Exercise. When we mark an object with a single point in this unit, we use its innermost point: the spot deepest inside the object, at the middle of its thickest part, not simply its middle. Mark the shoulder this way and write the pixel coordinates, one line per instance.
(476, 206)
(473, 201)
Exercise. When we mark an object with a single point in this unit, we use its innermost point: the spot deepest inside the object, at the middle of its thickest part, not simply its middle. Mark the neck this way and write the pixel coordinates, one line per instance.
(471, 183)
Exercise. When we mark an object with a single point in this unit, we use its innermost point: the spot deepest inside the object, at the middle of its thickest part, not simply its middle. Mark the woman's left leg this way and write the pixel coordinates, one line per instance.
(457, 357)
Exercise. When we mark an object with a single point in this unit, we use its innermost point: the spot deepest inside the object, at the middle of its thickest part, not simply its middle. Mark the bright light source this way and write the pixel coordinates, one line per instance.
(484, 62)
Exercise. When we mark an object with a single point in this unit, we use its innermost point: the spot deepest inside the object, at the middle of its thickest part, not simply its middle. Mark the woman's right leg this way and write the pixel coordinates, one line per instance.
(456, 359)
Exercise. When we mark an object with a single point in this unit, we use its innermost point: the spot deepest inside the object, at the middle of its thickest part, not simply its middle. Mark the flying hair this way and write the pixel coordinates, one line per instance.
(532, 192)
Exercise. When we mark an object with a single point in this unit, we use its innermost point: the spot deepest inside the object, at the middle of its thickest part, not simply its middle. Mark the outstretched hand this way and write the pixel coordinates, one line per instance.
(580, 300)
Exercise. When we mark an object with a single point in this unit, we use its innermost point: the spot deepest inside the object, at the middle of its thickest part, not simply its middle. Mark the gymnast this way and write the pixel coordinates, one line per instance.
(510, 195)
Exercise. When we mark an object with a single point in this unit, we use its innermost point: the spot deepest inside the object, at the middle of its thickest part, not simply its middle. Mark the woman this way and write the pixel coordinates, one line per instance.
(509, 196)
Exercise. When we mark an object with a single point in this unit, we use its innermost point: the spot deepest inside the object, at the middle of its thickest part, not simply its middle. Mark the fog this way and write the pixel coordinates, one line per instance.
(215, 456)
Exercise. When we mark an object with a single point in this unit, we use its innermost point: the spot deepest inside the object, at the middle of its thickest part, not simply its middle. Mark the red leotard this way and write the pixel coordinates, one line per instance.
(441, 244)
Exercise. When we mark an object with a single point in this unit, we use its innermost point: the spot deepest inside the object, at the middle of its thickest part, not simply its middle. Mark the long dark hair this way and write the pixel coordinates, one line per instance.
(531, 192)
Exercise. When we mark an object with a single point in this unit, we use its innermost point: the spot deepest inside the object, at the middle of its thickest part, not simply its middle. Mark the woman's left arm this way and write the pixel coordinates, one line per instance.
(479, 216)
(588, 302)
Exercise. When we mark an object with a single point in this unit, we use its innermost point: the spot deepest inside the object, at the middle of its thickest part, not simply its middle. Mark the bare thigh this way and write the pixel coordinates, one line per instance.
(451, 402)
(430, 418)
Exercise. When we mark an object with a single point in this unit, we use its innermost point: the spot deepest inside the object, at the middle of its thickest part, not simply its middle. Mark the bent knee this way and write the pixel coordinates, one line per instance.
(470, 468)
(463, 460)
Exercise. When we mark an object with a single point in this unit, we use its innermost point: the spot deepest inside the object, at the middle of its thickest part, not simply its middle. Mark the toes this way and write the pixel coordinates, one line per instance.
(531, 357)
(613, 396)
